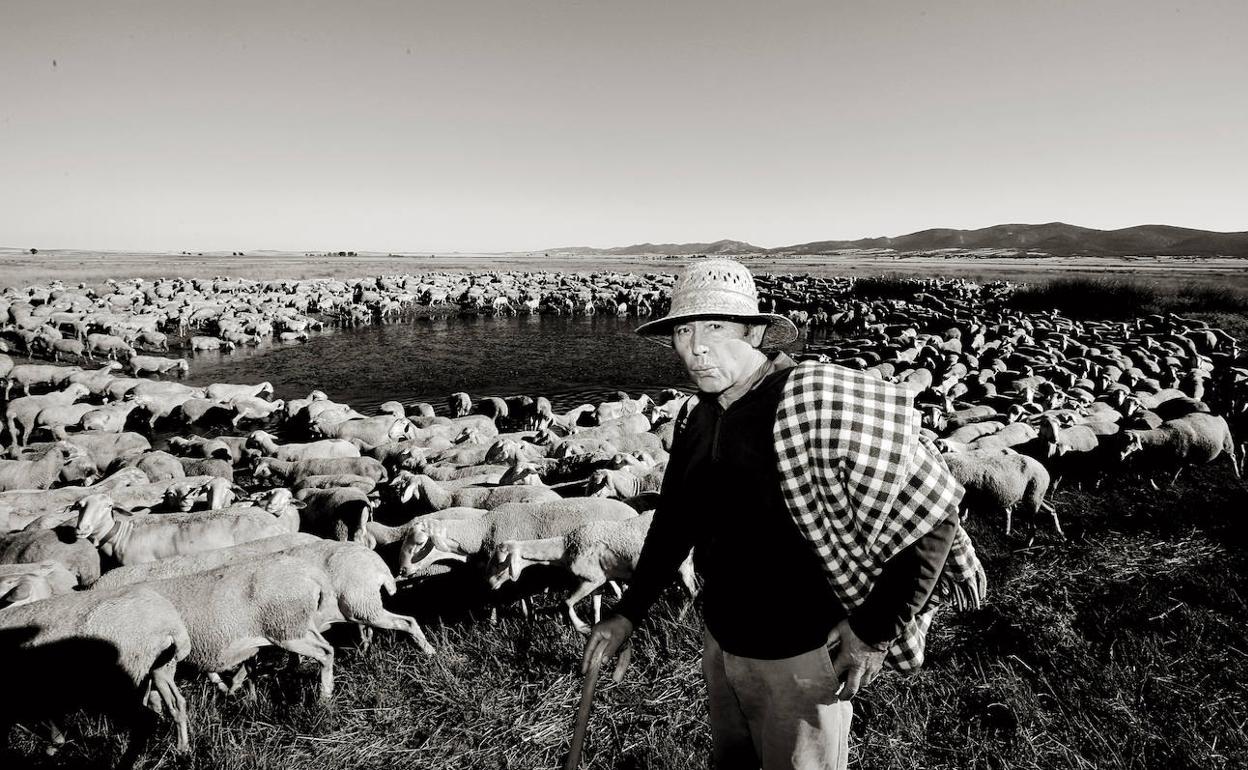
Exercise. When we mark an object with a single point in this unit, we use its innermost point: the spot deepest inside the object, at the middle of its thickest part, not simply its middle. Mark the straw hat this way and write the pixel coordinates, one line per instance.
(718, 288)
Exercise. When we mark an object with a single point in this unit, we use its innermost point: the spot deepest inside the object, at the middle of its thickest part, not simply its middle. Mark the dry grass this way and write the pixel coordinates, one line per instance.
(1122, 647)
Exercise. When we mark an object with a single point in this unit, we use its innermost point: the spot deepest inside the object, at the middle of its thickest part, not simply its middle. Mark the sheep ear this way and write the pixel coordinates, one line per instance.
(298, 504)
(134, 512)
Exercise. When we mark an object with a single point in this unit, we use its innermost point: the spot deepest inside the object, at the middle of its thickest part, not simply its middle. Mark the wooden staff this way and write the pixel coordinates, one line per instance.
(582, 719)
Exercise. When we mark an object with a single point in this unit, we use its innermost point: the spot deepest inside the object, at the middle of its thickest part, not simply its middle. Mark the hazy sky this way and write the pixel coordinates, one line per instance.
(523, 124)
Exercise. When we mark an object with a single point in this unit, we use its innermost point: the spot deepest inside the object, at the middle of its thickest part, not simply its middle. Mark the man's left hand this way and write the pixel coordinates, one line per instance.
(856, 661)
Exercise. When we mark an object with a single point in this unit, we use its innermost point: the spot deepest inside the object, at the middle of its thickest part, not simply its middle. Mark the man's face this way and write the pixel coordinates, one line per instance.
(717, 354)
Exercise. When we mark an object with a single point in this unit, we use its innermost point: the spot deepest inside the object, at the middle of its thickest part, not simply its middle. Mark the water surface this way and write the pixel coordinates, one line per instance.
(570, 360)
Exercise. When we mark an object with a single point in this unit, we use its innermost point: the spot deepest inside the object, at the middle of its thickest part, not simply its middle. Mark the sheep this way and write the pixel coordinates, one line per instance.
(619, 483)
(141, 365)
(21, 412)
(204, 342)
(106, 450)
(160, 466)
(292, 471)
(184, 493)
(198, 466)
(112, 418)
(252, 408)
(201, 447)
(328, 448)
(233, 610)
(429, 495)
(1001, 482)
(41, 473)
(123, 645)
(140, 496)
(460, 404)
(331, 480)
(974, 430)
(97, 380)
(61, 545)
(514, 521)
(33, 582)
(223, 391)
(26, 376)
(1012, 435)
(357, 575)
(594, 553)
(26, 505)
(339, 513)
(1196, 438)
(132, 539)
(55, 419)
(370, 430)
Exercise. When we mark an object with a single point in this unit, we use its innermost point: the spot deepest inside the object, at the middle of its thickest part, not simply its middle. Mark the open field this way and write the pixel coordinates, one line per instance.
(1122, 646)
(20, 268)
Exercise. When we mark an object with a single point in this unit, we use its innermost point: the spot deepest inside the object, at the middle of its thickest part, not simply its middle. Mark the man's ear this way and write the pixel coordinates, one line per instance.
(755, 333)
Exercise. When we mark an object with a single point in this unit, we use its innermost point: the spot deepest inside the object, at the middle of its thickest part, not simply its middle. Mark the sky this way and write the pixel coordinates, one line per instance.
(477, 125)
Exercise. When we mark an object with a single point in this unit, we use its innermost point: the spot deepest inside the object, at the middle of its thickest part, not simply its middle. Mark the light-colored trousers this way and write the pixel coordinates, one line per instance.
(775, 714)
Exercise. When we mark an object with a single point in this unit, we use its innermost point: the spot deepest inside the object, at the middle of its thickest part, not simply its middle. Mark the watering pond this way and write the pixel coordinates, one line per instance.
(570, 360)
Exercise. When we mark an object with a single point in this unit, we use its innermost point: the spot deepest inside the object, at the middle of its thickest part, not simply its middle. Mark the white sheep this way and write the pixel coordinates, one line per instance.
(1002, 481)
(33, 546)
(357, 574)
(427, 495)
(130, 637)
(594, 553)
(20, 413)
(22, 583)
(292, 471)
(132, 539)
(327, 448)
(465, 538)
(41, 473)
(1194, 439)
(233, 610)
(337, 513)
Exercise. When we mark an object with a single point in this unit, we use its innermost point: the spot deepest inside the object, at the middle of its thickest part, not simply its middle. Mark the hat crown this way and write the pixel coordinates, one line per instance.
(715, 287)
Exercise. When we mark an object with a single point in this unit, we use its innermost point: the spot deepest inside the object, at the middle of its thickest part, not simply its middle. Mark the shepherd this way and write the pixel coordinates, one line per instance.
(823, 524)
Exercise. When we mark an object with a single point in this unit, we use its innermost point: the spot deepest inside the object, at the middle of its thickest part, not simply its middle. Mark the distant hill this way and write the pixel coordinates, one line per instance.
(1054, 238)
(670, 249)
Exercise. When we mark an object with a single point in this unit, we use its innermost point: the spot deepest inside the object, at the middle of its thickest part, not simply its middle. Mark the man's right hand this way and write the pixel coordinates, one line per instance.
(605, 640)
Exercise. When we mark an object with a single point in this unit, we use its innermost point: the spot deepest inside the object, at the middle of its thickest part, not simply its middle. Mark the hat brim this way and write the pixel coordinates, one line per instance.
(780, 330)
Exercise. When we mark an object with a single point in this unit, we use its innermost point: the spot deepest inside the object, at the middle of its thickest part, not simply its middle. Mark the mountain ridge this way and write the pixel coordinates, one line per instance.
(1051, 238)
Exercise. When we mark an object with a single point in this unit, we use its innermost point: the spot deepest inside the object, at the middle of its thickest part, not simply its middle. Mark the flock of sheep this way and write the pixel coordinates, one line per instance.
(262, 522)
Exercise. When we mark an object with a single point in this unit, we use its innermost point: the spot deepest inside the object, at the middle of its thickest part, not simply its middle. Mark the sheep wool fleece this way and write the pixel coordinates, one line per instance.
(862, 484)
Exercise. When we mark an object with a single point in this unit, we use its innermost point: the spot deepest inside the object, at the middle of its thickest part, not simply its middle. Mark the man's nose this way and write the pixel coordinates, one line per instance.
(697, 345)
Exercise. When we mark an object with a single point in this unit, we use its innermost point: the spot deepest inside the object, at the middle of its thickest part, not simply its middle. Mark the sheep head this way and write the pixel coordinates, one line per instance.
(95, 517)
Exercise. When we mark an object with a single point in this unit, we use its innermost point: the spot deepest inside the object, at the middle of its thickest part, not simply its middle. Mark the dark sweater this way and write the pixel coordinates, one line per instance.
(765, 594)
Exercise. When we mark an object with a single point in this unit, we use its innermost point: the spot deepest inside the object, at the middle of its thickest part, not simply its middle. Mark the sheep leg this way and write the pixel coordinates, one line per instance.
(215, 678)
(616, 590)
(314, 646)
(1047, 506)
(1175, 477)
(597, 608)
(1009, 516)
(366, 638)
(405, 624)
(169, 701)
(584, 589)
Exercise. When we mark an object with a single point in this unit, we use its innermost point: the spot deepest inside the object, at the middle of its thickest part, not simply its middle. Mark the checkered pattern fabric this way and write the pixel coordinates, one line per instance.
(862, 484)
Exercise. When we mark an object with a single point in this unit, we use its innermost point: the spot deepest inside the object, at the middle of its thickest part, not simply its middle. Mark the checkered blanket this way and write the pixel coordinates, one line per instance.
(862, 484)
